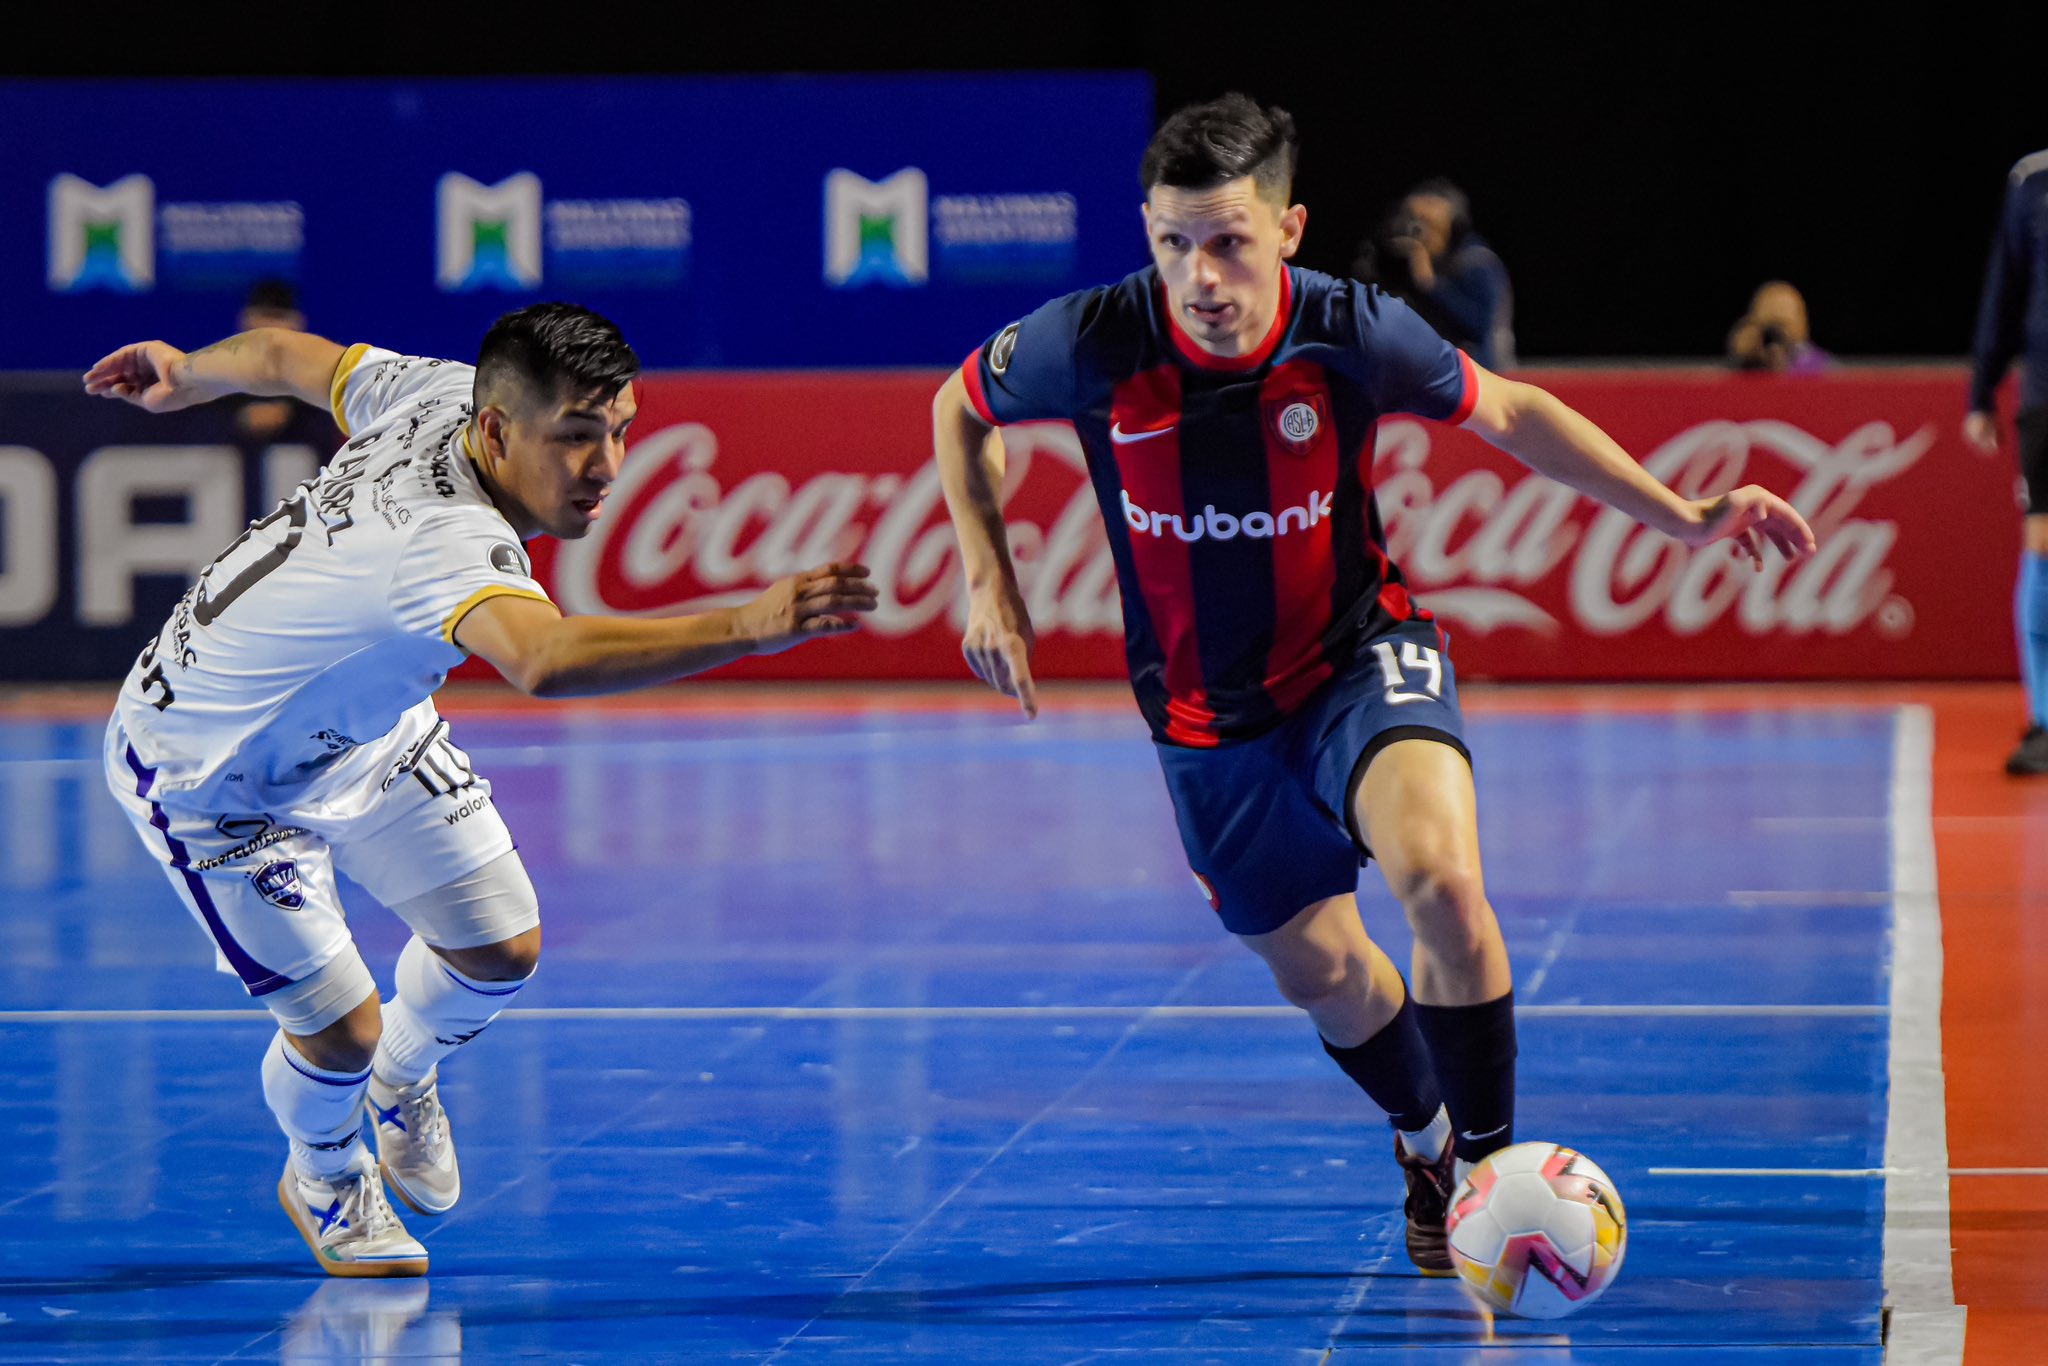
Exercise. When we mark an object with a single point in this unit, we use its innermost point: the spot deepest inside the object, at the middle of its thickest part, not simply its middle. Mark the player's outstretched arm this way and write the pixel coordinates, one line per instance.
(269, 361)
(545, 654)
(998, 640)
(1536, 428)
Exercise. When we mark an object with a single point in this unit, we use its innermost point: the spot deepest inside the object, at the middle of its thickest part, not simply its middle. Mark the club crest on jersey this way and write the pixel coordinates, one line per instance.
(1298, 420)
(1004, 347)
(507, 559)
(278, 883)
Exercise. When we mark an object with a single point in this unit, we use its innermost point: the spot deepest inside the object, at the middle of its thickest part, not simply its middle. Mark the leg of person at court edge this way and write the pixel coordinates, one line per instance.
(2030, 614)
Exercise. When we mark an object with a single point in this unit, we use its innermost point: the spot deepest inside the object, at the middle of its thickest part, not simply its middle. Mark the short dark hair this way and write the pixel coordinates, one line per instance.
(272, 296)
(545, 347)
(1461, 206)
(1206, 144)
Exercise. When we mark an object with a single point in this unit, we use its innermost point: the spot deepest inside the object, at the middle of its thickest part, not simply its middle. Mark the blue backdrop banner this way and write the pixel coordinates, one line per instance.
(759, 221)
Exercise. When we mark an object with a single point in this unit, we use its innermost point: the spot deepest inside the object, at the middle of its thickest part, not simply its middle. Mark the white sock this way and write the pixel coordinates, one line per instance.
(437, 1010)
(1428, 1142)
(321, 1112)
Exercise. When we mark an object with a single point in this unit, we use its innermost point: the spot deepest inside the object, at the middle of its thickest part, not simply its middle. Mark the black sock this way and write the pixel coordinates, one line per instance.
(1474, 1051)
(1393, 1068)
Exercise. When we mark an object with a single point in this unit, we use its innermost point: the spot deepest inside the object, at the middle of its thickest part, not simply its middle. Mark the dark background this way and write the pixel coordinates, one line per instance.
(1640, 172)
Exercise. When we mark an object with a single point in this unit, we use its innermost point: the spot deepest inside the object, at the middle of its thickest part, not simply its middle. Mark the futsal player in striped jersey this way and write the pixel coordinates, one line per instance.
(1303, 705)
(280, 727)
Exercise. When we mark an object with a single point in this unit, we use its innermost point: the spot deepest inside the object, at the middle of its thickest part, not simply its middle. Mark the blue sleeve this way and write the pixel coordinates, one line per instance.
(2002, 310)
(1025, 372)
(1408, 368)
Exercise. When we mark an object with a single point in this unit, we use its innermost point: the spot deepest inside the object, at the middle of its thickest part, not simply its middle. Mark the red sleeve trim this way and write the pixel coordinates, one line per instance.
(1469, 374)
(970, 375)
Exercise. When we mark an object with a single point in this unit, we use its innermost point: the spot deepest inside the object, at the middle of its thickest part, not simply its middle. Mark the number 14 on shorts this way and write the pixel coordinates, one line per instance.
(1425, 665)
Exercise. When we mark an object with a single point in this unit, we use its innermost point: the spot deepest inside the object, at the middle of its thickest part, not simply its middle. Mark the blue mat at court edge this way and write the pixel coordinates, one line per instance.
(843, 1048)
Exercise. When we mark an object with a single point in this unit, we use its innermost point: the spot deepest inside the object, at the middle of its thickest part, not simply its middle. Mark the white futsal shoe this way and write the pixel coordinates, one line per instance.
(349, 1225)
(414, 1145)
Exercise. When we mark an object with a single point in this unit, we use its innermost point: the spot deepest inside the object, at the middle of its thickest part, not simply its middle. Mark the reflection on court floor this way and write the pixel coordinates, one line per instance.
(904, 1034)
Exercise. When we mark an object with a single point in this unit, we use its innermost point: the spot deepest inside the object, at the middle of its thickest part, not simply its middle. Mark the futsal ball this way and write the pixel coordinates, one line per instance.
(1537, 1230)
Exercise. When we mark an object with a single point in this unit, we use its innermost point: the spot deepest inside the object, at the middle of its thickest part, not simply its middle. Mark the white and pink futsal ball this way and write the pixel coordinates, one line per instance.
(1537, 1230)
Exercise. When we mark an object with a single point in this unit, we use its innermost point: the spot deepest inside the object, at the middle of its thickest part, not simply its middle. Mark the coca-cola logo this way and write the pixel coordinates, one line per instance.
(678, 537)
(1475, 548)
(1484, 549)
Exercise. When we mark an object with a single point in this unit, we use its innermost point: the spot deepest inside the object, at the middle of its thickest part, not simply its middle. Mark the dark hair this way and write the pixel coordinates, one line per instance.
(1461, 206)
(272, 296)
(1206, 144)
(546, 347)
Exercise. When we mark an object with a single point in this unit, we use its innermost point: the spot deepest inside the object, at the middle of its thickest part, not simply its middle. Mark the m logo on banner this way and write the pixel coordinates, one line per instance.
(876, 233)
(102, 238)
(488, 236)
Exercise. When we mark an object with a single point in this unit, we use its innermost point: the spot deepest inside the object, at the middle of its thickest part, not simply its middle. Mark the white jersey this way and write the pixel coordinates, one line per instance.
(301, 666)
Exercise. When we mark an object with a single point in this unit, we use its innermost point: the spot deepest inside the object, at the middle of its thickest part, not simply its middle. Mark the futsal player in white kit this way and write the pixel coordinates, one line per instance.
(281, 726)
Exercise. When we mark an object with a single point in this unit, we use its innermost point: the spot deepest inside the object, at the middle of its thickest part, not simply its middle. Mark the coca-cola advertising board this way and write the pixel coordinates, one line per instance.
(107, 513)
(735, 479)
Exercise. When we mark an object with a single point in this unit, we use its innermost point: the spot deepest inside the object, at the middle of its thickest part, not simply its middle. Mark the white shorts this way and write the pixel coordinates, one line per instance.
(262, 883)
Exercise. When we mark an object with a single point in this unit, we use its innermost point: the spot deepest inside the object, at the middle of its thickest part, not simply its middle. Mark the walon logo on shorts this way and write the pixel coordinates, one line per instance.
(278, 883)
(1209, 524)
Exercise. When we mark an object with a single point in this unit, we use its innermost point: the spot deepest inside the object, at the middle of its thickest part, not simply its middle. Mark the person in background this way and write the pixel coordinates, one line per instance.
(262, 421)
(1773, 335)
(1428, 256)
(2012, 323)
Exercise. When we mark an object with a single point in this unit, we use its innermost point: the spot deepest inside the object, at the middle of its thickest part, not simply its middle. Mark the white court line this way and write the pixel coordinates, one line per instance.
(33, 767)
(1827, 1172)
(1924, 1324)
(1841, 1171)
(1810, 898)
(1077, 1012)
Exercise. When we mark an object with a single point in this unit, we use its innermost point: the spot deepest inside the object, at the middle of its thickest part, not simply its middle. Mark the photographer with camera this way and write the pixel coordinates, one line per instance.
(1773, 335)
(1428, 256)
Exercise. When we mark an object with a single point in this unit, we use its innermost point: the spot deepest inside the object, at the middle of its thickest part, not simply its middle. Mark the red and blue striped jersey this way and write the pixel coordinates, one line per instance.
(1237, 492)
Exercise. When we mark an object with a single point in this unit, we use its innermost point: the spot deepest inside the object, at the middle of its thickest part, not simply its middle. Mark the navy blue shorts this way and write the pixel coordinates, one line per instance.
(1265, 821)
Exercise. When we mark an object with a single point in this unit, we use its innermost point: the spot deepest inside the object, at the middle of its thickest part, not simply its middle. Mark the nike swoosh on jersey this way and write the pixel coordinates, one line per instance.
(1474, 1138)
(1124, 438)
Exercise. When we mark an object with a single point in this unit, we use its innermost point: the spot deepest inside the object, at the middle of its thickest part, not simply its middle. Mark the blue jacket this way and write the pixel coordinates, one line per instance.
(2013, 319)
(1471, 306)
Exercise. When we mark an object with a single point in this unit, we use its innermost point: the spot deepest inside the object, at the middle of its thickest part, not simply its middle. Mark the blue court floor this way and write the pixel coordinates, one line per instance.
(906, 1036)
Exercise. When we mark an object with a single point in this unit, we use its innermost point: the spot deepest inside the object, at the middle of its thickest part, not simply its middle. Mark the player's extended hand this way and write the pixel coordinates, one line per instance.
(998, 645)
(1981, 431)
(826, 601)
(1750, 516)
(148, 375)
